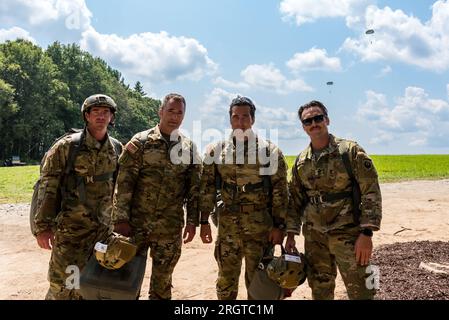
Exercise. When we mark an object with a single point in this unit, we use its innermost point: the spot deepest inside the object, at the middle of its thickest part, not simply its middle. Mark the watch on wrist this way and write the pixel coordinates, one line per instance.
(367, 232)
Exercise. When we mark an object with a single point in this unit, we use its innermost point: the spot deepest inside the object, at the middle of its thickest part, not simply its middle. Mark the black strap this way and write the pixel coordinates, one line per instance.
(81, 182)
(244, 188)
(356, 194)
(330, 197)
(347, 163)
(117, 146)
(75, 146)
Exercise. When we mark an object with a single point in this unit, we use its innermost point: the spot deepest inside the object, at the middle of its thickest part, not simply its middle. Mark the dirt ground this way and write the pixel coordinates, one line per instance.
(412, 211)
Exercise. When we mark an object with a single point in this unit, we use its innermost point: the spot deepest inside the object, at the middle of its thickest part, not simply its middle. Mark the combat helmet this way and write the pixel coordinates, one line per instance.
(99, 100)
(115, 252)
(288, 271)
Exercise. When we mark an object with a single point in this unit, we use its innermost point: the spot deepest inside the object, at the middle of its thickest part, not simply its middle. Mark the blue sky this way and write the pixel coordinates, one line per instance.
(390, 91)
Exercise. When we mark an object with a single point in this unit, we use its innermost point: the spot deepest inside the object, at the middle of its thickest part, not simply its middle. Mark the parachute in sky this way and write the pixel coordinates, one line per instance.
(329, 84)
(369, 32)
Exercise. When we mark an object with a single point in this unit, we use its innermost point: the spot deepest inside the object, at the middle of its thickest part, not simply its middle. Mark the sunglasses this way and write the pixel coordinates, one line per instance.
(318, 119)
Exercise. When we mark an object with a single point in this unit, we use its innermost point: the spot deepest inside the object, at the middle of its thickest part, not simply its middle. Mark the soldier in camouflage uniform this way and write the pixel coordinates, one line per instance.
(251, 175)
(83, 217)
(160, 171)
(321, 201)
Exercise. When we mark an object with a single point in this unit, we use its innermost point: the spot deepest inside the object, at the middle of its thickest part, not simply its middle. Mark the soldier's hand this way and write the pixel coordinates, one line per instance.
(276, 236)
(189, 233)
(123, 228)
(46, 239)
(206, 233)
(290, 243)
(363, 249)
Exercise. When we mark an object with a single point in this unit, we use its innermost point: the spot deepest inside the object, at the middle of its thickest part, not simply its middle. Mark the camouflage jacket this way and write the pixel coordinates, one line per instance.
(326, 175)
(93, 159)
(155, 180)
(263, 158)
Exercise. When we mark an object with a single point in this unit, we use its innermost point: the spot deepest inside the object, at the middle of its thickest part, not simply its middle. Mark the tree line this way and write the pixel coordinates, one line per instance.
(41, 92)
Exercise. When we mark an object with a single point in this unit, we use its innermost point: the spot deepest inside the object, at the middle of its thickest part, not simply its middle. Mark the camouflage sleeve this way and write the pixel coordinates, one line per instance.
(193, 188)
(130, 162)
(296, 204)
(366, 175)
(280, 190)
(207, 185)
(48, 202)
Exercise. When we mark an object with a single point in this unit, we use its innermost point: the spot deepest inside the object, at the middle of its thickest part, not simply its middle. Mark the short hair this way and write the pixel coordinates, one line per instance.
(174, 96)
(243, 101)
(313, 103)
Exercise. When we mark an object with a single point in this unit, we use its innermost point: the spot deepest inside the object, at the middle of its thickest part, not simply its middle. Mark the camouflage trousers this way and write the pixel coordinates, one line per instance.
(165, 251)
(229, 252)
(73, 245)
(324, 252)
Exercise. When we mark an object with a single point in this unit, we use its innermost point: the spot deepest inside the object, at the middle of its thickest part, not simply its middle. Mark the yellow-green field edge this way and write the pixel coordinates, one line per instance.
(16, 183)
(395, 168)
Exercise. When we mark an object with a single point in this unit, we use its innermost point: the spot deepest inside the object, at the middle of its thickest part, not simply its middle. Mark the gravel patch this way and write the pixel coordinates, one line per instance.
(417, 270)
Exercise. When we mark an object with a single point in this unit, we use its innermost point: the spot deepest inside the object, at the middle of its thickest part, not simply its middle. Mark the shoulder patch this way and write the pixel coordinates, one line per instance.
(131, 147)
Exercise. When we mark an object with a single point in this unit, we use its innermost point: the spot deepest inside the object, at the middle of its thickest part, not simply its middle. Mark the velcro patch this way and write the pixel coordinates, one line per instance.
(131, 147)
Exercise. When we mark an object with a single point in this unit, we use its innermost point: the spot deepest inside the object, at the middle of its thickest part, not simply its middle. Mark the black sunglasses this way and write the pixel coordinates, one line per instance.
(318, 119)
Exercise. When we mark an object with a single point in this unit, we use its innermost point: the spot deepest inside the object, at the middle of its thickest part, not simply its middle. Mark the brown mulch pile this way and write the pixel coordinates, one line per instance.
(400, 275)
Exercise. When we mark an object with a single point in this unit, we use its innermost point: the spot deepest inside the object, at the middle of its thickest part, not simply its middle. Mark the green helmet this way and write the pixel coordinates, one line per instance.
(98, 100)
(289, 271)
(115, 252)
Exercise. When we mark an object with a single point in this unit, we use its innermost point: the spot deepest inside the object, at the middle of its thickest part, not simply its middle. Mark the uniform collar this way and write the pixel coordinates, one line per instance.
(91, 142)
(157, 134)
(332, 146)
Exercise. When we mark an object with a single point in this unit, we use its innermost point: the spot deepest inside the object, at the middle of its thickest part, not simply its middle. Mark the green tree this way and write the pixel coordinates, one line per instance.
(41, 93)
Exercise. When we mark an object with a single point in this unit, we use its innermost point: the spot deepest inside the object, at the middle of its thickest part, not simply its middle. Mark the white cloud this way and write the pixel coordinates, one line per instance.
(15, 33)
(415, 117)
(214, 111)
(147, 57)
(382, 137)
(404, 38)
(314, 59)
(303, 11)
(151, 56)
(278, 118)
(229, 84)
(62, 20)
(268, 77)
(386, 70)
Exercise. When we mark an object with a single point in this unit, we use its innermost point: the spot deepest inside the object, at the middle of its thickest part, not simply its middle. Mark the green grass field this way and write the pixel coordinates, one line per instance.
(393, 168)
(16, 183)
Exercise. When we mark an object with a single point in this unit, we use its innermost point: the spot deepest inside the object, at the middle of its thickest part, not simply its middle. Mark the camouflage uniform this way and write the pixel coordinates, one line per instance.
(85, 215)
(329, 228)
(245, 220)
(150, 193)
